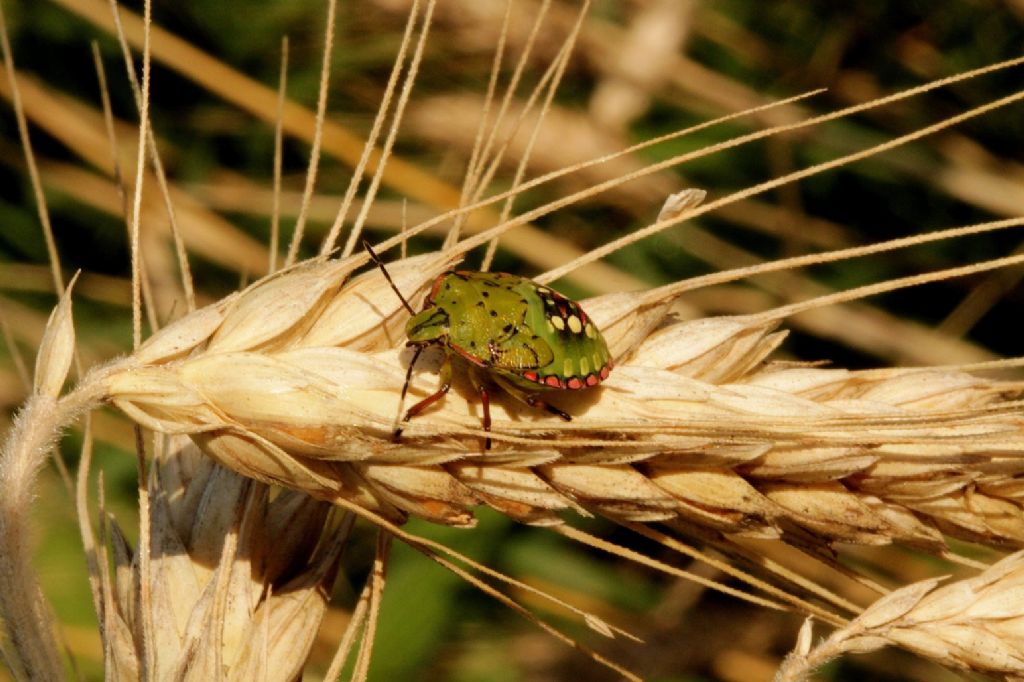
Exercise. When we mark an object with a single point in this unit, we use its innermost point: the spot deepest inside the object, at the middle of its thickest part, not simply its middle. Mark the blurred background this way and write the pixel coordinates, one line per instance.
(641, 68)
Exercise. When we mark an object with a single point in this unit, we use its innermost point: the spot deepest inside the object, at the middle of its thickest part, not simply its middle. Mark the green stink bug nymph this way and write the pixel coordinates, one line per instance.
(523, 336)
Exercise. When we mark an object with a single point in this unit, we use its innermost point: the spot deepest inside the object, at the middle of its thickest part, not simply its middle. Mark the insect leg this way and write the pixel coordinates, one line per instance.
(405, 390)
(530, 399)
(446, 384)
(534, 402)
(485, 400)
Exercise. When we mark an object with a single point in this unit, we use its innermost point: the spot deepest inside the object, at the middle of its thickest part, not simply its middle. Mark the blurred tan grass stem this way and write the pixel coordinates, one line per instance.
(275, 212)
(370, 146)
(147, 141)
(314, 155)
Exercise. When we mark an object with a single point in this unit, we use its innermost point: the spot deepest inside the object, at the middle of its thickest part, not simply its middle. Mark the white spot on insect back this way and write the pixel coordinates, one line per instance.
(557, 322)
(575, 325)
(567, 368)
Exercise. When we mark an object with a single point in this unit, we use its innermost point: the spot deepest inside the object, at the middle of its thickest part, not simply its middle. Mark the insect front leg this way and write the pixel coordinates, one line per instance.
(446, 384)
(397, 428)
(480, 386)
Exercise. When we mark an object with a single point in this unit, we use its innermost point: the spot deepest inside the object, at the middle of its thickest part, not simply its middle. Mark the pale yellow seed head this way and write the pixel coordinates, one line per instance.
(309, 400)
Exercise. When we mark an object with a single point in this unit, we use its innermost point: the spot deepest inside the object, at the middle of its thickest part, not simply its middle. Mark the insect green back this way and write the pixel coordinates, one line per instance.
(520, 330)
(580, 357)
(471, 312)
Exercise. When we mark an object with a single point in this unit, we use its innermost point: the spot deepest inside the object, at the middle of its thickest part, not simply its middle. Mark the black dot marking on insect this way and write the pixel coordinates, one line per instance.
(523, 301)
(472, 344)
(479, 304)
(494, 313)
(486, 294)
(506, 329)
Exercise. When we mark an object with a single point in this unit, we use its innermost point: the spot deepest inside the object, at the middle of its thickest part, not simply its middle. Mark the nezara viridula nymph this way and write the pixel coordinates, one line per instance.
(523, 336)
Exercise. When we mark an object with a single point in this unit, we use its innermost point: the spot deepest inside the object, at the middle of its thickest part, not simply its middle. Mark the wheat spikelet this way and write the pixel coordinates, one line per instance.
(237, 575)
(974, 624)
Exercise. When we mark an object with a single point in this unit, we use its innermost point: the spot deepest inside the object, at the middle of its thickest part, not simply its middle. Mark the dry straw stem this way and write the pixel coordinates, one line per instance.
(29, 647)
(975, 624)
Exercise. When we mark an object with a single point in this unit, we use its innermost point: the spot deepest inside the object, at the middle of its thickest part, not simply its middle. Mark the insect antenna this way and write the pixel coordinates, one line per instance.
(380, 264)
(397, 427)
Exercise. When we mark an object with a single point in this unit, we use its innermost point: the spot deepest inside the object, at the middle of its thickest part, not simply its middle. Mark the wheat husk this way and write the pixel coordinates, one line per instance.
(295, 381)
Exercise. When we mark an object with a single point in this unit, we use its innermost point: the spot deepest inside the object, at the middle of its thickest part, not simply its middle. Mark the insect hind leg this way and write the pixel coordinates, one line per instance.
(531, 399)
(534, 402)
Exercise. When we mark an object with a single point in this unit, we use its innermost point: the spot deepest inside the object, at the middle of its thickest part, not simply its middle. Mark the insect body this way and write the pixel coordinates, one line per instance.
(523, 336)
